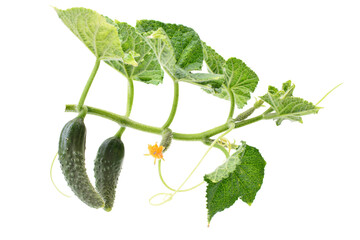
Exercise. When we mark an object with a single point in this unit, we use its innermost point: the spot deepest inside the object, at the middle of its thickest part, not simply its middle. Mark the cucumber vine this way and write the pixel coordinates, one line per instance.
(144, 53)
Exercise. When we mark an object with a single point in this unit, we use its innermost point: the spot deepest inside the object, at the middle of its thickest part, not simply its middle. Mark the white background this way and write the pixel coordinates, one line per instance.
(311, 185)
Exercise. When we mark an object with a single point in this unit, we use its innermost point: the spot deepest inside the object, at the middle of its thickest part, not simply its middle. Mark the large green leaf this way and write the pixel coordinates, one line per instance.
(179, 51)
(133, 43)
(286, 106)
(241, 176)
(185, 41)
(164, 51)
(95, 32)
(239, 78)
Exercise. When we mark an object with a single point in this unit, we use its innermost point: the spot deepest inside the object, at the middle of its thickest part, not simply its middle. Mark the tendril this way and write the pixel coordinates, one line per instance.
(51, 177)
(225, 143)
(171, 195)
(170, 188)
(328, 93)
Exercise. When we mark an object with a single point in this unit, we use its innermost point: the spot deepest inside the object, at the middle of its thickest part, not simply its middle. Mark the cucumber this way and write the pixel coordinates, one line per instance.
(107, 169)
(167, 136)
(72, 160)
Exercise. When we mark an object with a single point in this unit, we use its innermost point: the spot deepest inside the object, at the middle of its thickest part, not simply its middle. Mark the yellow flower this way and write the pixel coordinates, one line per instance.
(155, 151)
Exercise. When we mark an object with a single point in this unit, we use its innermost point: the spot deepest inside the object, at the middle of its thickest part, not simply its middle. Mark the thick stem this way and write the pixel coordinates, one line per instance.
(83, 112)
(126, 122)
(174, 105)
(130, 100)
(88, 84)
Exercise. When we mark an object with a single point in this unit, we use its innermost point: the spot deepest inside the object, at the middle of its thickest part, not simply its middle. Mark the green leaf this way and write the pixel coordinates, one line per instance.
(179, 51)
(185, 42)
(163, 50)
(215, 63)
(134, 45)
(286, 91)
(288, 88)
(239, 78)
(211, 82)
(286, 106)
(95, 32)
(290, 108)
(241, 176)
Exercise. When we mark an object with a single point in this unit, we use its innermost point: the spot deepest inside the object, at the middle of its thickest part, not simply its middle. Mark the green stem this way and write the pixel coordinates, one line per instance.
(130, 100)
(83, 112)
(126, 122)
(174, 105)
(232, 103)
(88, 84)
(269, 110)
(226, 152)
(170, 188)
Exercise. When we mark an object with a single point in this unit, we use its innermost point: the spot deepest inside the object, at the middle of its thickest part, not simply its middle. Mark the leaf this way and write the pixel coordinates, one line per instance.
(286, 91)
(163, 50)
(179, 51)
(186, 43)
(95, 32)
(286, 106)
(288, 88)
(241, 176)
(239, 78)
(211, 82)
(215, 63)
(133, 44)
(291, 108)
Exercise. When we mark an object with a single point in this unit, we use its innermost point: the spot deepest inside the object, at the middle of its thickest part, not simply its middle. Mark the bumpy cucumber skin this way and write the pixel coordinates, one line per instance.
(72, 159)
(167, 136)
(107, 169)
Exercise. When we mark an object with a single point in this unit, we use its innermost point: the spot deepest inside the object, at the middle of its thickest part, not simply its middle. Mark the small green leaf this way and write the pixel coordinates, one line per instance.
(286, 91)
(288, 88)
(95, 32)
(291, 108)
(241, 176)
(239, 78)
(148, 69)
(211, 82)
(215, 63)
(286, 106)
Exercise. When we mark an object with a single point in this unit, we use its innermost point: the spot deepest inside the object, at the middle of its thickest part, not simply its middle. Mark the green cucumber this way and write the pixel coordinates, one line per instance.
(72, 160)
(107, 169)
(167, 137)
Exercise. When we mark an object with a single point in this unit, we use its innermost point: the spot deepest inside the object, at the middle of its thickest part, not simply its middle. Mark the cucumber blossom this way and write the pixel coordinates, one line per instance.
(72, 160)
(107, 169)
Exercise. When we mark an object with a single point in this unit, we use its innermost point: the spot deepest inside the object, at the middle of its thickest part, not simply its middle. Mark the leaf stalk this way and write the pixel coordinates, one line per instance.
(130, 100)
(88, 84)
